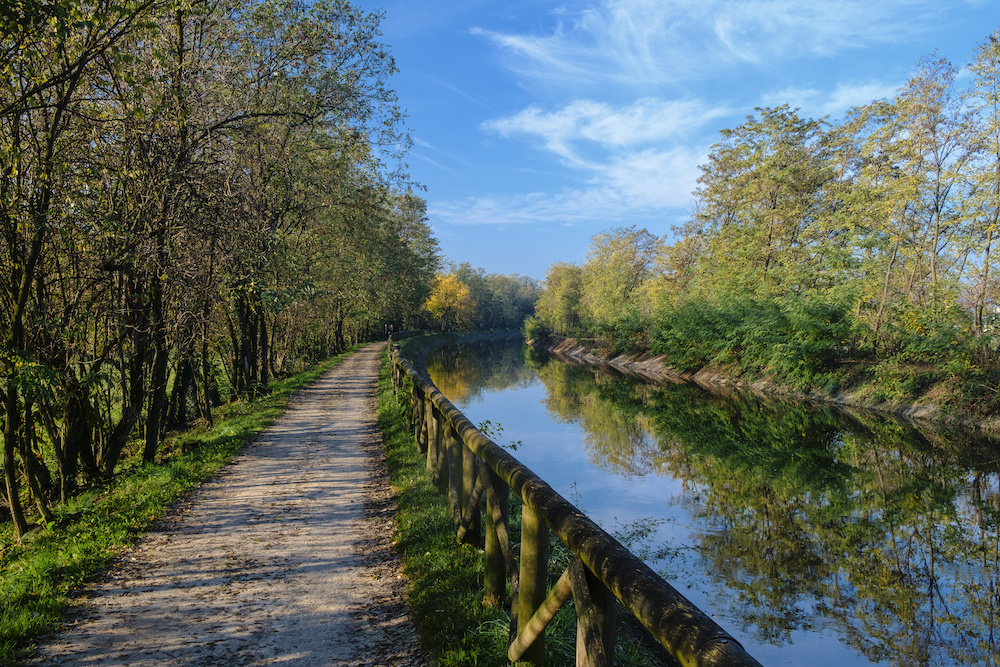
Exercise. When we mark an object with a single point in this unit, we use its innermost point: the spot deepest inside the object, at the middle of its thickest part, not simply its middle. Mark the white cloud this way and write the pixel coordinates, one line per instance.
(817, 103)
(583, 125)
(648, 183)
(653, 179)
(633, 159)
(656, 41)
(642, 121)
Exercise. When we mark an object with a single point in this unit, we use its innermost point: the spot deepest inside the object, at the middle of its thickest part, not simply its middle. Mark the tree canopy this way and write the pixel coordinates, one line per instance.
(194, 197)
(815, 245)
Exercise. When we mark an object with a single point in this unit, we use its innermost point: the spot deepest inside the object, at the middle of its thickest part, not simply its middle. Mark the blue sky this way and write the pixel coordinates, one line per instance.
(537, 124)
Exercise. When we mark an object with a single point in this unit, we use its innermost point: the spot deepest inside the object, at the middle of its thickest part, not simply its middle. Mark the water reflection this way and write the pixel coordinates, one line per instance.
(803, 525)
(463, 372)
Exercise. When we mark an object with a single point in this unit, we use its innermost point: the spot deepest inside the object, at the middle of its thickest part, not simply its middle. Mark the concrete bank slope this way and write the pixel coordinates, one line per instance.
(283, 558)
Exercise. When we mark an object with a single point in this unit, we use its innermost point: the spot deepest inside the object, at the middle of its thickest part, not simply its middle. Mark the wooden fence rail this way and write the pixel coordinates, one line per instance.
(468, 466)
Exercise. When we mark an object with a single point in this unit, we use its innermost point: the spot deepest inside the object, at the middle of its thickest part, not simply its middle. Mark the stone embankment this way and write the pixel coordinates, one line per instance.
(654, 369)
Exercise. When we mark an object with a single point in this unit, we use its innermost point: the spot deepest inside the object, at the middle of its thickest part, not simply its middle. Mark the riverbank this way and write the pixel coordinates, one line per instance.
(937, 404)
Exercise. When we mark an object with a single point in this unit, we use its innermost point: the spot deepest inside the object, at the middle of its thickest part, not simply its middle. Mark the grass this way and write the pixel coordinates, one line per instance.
(445, 577)
(39, 576)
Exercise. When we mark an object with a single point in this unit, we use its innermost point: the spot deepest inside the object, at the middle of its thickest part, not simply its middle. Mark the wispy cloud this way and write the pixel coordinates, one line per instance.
(631, 158)
(817, 103)
(660, 41)
(427, 146)
(643, 184)
(455, 89)
(641, 122)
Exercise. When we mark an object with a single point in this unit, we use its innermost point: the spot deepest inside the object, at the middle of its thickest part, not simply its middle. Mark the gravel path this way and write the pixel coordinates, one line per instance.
(285, 557)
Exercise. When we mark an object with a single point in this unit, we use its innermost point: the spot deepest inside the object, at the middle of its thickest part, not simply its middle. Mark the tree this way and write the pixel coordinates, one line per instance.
(904, 190)
(619, 262)
(761, 204)
(985, 174)
(451, 303)
(559, 303)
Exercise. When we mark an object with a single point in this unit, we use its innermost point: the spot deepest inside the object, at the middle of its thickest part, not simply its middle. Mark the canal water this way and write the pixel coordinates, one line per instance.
(813, 536)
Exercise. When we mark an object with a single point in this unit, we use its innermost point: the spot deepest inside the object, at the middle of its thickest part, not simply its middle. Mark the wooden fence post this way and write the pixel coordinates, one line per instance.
(498, 556)
(427, 416)
(434, 442)
(454, 455)
(469, 473)
(413, 421)
(534, 566)
(595, 613)
(441, 475)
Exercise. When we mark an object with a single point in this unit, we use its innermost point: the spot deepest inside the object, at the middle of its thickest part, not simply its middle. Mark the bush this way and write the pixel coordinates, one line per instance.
(535, 329)
(798, 339)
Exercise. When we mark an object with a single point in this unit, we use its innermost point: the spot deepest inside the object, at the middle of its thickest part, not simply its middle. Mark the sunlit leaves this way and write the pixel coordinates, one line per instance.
(450, 303)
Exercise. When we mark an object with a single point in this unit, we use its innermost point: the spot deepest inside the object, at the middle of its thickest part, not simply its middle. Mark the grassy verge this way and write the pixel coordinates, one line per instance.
(38, 576)
(446, 577)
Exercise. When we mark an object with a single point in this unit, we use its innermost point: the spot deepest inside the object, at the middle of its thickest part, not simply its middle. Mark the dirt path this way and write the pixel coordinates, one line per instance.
(283, 558)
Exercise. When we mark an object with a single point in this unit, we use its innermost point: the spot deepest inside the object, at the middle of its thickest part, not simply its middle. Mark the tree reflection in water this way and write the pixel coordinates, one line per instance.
(812, 519)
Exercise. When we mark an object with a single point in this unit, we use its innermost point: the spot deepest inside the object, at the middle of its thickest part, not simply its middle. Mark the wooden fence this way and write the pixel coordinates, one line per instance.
(466, 465)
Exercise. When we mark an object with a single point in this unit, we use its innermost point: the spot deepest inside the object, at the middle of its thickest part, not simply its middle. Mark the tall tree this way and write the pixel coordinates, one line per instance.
(761, 205)
(985, 174)
(559, 303)
(619, 262)
(451, 303)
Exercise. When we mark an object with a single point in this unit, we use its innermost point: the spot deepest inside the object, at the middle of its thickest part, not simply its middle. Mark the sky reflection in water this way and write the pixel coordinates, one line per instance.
(813, 536)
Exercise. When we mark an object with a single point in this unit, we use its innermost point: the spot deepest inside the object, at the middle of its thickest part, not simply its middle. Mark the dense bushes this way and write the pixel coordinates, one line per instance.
(797, 339)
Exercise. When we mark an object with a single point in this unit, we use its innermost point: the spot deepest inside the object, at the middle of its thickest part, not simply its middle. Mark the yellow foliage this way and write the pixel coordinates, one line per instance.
(450, 302)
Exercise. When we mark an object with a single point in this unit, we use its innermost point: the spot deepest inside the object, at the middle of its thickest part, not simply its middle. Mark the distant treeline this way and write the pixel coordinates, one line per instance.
(821, 253)
(467, 298)
(194, 197)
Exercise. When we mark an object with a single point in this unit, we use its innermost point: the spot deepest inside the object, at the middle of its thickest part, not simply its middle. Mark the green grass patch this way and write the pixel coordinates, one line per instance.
(446, 578)
(38, 576)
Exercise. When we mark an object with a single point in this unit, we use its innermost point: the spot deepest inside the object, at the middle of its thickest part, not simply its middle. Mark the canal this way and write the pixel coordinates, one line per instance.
(812, 535)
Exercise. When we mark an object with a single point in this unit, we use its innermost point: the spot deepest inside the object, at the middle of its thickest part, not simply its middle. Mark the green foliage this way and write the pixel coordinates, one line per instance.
(212, 195)
(502, 302)
(797, 340)
(619, 263)
(558, 305)
(535, 329)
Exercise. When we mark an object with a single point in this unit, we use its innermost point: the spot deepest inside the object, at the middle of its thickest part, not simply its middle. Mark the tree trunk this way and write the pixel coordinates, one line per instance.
(10, 442)
(156, 404)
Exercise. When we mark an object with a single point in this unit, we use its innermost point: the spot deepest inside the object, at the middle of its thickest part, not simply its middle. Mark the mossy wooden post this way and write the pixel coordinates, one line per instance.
(497, 510)
(434, 441)
(454, 456)
(534, 557)
(427, 420)
(416, 402)
(595, 613)
(440, 474)
(397, 370)
(469, 473)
